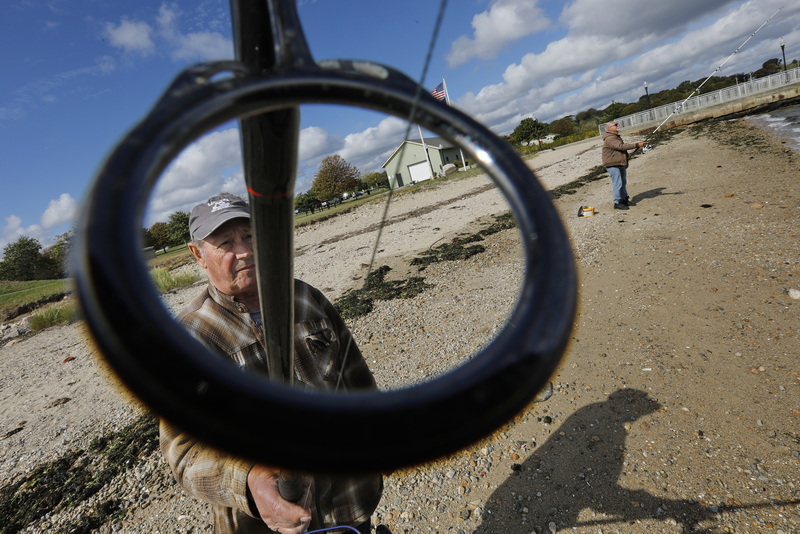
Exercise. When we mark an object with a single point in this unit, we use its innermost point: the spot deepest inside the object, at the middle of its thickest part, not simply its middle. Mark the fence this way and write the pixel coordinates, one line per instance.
(707, 100)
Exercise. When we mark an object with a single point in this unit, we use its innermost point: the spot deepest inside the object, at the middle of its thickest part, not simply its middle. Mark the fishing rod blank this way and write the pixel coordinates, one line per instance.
(679, 107)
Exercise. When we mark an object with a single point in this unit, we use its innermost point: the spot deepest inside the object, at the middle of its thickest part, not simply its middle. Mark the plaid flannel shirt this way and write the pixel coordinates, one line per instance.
(321, 339)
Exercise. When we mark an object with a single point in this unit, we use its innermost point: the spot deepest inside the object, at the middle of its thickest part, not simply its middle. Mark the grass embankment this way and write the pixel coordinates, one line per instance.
(17, 298)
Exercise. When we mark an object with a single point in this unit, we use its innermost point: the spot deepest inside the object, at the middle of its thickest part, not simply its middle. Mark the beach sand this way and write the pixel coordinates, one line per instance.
(676, 407)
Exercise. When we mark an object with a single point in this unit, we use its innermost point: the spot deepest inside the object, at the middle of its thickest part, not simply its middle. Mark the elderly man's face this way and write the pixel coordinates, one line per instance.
(227, 257)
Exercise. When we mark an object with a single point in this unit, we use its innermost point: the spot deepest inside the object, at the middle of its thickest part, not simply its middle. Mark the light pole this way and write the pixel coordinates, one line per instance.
(648, 94)
(783, 53)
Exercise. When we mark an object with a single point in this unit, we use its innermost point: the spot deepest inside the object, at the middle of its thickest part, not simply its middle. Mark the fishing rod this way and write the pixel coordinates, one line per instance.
(186, 383)
(679, 107)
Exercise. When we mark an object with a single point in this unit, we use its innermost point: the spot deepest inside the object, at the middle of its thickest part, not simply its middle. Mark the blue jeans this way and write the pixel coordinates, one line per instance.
(619, 182)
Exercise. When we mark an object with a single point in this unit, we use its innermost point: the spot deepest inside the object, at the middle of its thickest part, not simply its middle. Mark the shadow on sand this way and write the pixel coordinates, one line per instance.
(579, 467)
(653, 193)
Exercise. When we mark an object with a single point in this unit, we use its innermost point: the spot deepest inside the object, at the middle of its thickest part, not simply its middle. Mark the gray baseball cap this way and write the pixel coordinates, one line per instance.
(213, 213)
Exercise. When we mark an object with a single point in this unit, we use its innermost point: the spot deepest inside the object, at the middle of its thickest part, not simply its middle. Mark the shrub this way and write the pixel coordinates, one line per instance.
(59, 314)
(165, 280)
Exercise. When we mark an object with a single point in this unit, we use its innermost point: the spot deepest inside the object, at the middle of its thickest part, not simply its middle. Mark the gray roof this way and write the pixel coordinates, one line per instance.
(435, 142)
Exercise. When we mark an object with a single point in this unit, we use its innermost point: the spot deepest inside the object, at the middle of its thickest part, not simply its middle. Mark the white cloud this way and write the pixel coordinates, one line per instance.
(60, 211)
(209, 165)
(203, 45)
(131, 37)
(166, 17)
(504, 22)
(364, 149)
(603, 57)
(315, 142)
(144, 38)
(589, 17)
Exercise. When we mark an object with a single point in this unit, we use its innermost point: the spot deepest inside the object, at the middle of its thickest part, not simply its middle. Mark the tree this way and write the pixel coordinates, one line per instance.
(613, 111)
(157, 236)
(178, 228)
(588, 115)
(375, 180)
(771, 66)
(526, 131)
(334, 177)
(55, 258)
(305, 201)
(563, 127)
(20, 259)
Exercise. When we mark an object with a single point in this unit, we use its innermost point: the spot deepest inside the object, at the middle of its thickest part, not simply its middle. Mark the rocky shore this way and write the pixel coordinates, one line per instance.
(676, 407)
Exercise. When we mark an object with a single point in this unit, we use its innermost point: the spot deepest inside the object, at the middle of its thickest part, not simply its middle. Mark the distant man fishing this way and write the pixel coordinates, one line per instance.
(615, 160)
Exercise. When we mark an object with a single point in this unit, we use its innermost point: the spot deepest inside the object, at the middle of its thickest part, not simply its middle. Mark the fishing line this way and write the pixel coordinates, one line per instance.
(679, 107)
(407, 136)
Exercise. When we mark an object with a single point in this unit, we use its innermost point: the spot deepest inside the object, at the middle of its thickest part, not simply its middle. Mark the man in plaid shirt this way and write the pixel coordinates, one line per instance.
(226, 317)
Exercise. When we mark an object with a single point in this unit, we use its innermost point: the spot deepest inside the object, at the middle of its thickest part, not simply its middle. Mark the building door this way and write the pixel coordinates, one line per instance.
(420, 171)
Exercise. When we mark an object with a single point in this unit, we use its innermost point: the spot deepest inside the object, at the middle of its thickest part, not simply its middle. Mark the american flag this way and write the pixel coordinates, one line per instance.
(438, 92)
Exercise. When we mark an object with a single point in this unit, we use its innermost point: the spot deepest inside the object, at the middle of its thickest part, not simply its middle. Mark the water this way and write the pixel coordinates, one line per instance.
(784, 122)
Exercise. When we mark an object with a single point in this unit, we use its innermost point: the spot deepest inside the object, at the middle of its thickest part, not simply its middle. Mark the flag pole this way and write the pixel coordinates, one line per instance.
(447, 99)
(425, 149)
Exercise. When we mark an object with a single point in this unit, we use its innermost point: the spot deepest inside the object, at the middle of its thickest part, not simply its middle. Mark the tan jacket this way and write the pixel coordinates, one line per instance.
(615, 151)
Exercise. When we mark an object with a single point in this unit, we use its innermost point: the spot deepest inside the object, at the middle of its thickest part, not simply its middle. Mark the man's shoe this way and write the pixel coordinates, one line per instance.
(620, 206)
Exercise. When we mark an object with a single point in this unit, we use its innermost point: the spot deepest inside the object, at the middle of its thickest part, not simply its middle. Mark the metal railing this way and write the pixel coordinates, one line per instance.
(707, 100)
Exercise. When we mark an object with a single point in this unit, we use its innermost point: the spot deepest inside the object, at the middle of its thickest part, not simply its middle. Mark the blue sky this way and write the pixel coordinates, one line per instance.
(78, 74)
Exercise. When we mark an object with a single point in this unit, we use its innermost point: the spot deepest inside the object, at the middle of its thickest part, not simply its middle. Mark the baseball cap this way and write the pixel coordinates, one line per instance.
(213, 213)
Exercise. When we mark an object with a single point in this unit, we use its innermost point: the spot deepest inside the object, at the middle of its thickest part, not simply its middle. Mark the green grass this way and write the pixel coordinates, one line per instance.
(531, 150)
(165, 280)
(66, 312)
(55, 315)
(303, 219)
(173, 258)
(16, 294)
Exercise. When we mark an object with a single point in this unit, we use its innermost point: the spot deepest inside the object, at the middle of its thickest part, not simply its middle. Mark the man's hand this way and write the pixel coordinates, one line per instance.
(279, 514)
